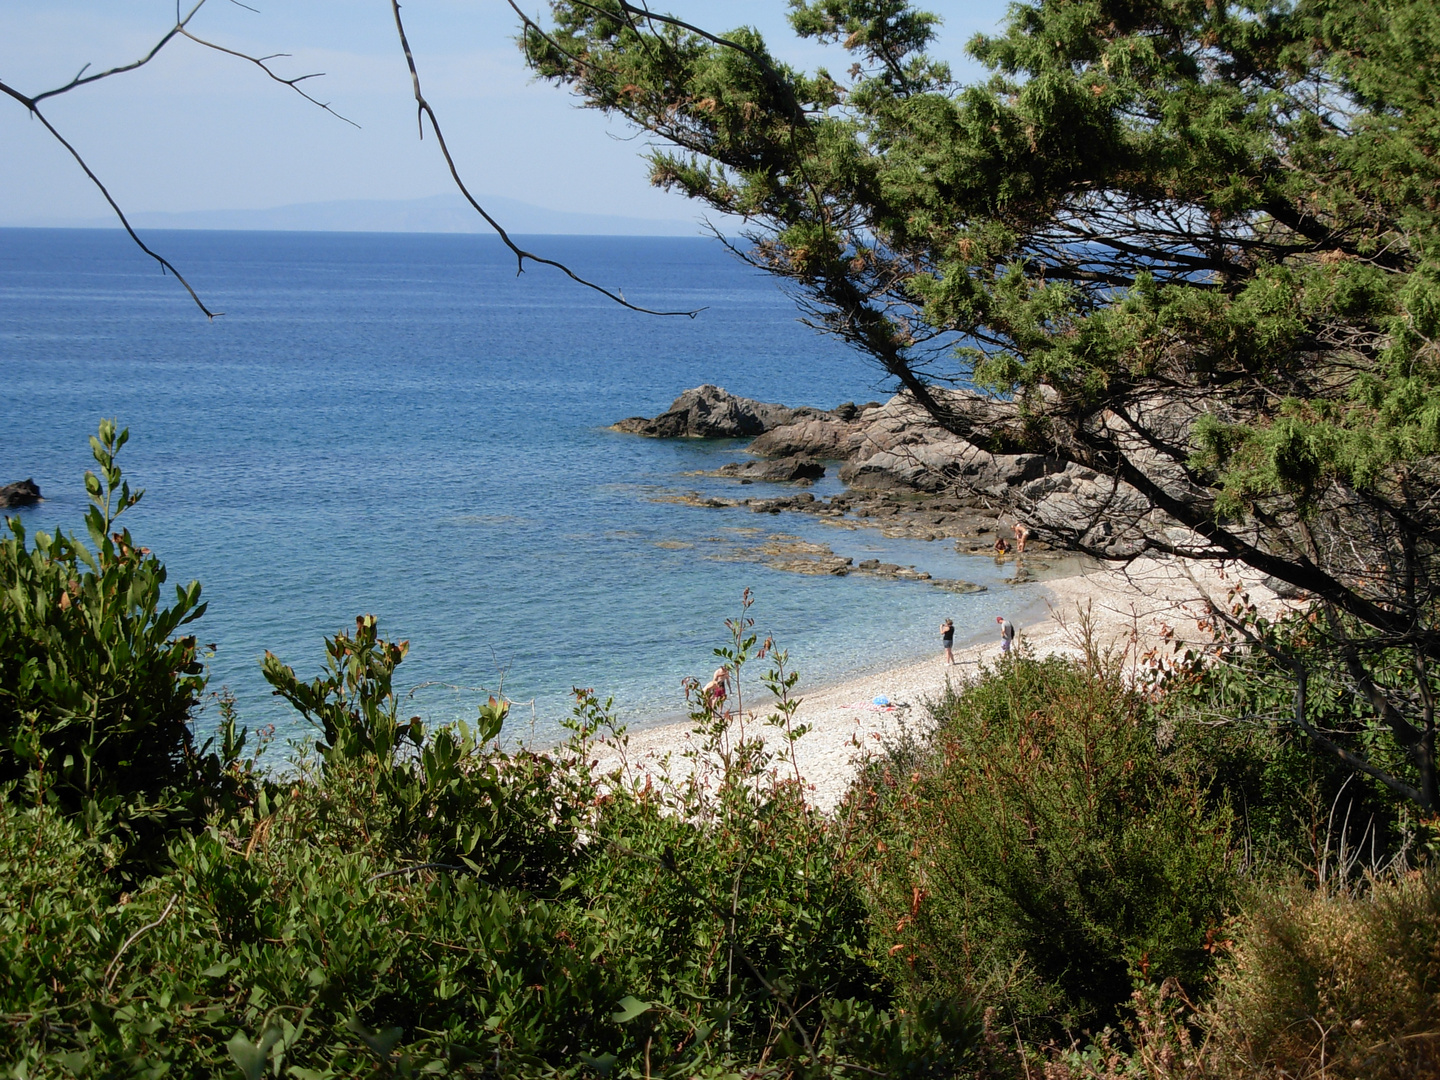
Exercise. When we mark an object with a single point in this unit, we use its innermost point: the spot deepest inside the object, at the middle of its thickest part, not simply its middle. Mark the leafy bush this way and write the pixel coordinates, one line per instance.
(424, 796)
(97, 689)
(1043, 855)
(425, 900)
(1232, 706)
(279, 949)
(1055, 857)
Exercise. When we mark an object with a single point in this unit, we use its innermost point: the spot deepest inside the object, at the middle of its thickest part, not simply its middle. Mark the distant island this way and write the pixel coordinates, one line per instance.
(447, 213)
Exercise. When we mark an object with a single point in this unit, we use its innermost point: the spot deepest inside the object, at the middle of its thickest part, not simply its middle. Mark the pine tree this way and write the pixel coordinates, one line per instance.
(1188, 244)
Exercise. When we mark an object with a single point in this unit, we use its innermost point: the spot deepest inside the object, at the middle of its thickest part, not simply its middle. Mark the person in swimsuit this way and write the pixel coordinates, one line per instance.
(716, 689)
(1022, 533)
(1001, 547)
(947, 639)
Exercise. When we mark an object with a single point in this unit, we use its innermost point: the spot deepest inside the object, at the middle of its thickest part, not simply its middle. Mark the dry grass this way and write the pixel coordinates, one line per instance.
(1335, 986)
(1317, 986)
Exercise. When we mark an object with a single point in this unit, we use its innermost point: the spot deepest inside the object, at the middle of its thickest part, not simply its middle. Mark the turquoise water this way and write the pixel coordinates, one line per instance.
(397, 424)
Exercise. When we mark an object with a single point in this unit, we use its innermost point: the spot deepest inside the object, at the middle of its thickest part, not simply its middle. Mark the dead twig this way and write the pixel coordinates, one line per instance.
(110, 971)
(181, 29)
(412, 869)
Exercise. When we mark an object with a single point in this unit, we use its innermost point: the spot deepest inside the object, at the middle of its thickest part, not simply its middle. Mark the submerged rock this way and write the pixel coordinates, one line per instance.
(954, 585)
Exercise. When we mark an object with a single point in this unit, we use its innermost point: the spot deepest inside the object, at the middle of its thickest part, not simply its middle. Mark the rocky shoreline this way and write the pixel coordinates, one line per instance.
(904, 474)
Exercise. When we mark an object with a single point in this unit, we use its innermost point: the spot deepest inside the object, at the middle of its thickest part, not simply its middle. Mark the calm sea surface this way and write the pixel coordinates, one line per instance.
(397, 424)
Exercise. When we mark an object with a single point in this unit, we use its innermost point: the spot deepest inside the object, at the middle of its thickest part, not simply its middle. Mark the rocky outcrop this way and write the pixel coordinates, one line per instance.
(774, 471)
(899, 447)
(833, 436)
(20, 493)
(896, 451)
(711, 412)
(904, 473)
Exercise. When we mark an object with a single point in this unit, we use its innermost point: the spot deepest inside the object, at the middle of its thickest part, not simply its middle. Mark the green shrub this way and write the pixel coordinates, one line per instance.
(442, 795)
(1295, 804)
(1042, 854)
(279, 940)
(97, 685)
(425, 901)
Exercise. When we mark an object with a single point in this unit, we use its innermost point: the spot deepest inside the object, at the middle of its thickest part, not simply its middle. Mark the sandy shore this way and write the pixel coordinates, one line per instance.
(1143, 609)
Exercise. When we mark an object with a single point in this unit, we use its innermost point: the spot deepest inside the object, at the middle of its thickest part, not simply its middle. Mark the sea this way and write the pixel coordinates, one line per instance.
(402, 425)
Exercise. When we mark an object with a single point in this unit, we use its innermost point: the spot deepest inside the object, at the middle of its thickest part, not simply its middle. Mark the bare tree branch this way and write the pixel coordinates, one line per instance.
(424, 112)
(180, 29)
(262, 63)
(110, 971)
(165, 264)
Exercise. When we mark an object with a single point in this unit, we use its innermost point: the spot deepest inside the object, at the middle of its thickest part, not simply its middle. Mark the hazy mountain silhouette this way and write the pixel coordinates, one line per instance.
(448, 213)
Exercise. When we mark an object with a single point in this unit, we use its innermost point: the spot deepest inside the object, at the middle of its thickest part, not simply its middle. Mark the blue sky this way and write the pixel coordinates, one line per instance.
(199, 131)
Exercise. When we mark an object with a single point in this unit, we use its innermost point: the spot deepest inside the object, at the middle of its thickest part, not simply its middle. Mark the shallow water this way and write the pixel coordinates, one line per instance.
(396, 424)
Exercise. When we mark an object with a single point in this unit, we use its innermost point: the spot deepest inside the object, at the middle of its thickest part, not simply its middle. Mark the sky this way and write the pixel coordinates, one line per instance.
(196, 130)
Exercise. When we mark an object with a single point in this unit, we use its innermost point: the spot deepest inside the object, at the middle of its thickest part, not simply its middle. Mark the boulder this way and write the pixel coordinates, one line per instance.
(802, 501)
(826, 436)
(710, 412)
(898, 446)
(20, 493)
(778, 471)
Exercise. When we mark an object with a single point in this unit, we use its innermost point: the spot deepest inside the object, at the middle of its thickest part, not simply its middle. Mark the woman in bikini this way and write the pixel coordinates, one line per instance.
(716, 689)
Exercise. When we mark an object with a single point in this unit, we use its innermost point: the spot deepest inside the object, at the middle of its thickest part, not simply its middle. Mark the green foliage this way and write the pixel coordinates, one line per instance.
(440, 796)
(1260, 175)
(426, 901)
(1059, 856)
(1239, 706)
(1042, 854)
(758, 941)
(97, 687)
(276, 945)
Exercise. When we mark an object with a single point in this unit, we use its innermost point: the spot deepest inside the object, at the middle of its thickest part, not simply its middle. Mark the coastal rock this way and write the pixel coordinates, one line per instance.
(803, 501)
(834, 566)
(893, 571)
(831, 436)
(905, 474)
(955, 585)
(900, 447)
(779, 471)
(694, 498)
(20, 493)
(710, 412)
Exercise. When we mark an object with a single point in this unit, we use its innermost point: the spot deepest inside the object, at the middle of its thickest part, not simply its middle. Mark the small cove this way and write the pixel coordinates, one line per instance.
(395, 424)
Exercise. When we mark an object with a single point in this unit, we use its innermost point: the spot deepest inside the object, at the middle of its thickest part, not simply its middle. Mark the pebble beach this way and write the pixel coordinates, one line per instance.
(1141, 613)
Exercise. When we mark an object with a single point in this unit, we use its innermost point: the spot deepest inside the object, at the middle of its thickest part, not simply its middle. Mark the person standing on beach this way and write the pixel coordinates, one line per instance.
(947, 639)
(1007, 633)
